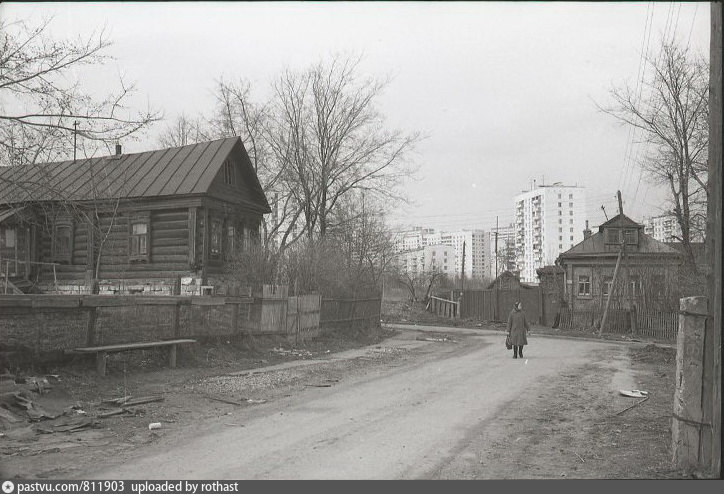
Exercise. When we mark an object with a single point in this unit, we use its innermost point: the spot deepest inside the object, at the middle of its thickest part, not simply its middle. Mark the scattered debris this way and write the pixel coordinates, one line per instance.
(439, 339)
(292, 353)
(321, 385)
(127, 401)
(112, 412)
(634, 393)
(225, 400)
(634, 405)
(154, 425)
(117, 401)
(579, 457)
(9, 416)
(67, 425)
(250, 400)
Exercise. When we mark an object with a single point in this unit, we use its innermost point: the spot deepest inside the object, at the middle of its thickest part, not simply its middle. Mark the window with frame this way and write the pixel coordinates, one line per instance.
(230, 241)
(584, 285)
(62, 241)
(607, 285)
(634, 284)
(215, 239)
(612, 236)
(631, 236)
(8, 238)
(139, 238)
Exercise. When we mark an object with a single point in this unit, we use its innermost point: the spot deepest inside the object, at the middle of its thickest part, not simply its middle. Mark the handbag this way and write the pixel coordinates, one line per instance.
(508, 345)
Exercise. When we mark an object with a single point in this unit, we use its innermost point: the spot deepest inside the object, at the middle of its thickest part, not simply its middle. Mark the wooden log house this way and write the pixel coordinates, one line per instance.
(648, 271)
(129, 219)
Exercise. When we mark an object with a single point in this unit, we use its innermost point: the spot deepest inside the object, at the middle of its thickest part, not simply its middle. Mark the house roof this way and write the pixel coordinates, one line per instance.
(550, 270)
(509, 274)
(165, 172)
(594, 246)
(620, 220)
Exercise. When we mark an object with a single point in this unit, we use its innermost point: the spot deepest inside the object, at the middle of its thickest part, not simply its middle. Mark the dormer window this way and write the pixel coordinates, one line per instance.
(612, 236)
(631, 236)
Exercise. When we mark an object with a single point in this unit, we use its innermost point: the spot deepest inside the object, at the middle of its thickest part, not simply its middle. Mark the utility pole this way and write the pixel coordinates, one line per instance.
(496, 247)
(462, 271)
(604, 211)
(75, 138)
(615, 270)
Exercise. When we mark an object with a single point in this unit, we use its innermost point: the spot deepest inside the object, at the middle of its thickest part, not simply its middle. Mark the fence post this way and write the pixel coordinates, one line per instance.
(691, 437)
(632, 313)
(91, 326)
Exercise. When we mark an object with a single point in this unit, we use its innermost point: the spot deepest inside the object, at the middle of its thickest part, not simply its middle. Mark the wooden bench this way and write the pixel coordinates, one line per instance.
(102, 351)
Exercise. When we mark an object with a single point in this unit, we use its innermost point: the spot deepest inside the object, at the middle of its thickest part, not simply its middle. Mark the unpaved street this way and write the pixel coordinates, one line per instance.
(395, 422)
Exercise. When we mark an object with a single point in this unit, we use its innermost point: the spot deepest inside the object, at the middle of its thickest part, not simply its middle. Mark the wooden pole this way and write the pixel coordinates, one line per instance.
(615, 270)
(462, 271)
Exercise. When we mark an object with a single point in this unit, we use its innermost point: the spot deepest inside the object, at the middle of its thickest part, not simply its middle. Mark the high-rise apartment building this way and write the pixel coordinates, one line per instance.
(663, 228)
(549, 219)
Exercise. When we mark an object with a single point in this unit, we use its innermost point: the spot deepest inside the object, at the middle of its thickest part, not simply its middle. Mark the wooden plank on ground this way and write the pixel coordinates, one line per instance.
(132, 346)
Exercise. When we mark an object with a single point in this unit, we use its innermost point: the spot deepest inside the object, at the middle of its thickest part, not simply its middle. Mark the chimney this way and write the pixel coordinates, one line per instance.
(118, 149)
(586, 232)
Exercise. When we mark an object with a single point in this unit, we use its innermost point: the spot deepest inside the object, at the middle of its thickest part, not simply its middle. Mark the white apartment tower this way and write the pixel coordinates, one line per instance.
(549, 219)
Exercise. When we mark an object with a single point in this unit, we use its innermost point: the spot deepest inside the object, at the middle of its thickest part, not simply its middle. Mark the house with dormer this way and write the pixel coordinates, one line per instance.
(647, 275)
(131, 223)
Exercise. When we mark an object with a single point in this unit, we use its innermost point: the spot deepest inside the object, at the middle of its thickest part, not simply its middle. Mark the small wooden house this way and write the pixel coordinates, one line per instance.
(134, 222)
(647, 272)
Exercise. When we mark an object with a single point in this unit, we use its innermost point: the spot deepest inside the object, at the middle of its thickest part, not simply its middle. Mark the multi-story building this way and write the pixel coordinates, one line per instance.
(475, 242)
(549, 219)
(413, 239)
(428, 259)
(663, 228)
(505, 253)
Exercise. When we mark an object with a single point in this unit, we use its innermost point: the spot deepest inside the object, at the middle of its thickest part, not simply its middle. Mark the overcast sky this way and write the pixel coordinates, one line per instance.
(504, 92)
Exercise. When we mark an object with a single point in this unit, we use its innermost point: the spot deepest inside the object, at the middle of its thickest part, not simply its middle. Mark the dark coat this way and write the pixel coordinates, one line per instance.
(517, 328)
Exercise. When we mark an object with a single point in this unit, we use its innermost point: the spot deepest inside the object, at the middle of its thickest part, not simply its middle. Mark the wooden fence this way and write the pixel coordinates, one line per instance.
(351, 313)
(658, 324)
(655, 324)
(303, 314)
(443, 307)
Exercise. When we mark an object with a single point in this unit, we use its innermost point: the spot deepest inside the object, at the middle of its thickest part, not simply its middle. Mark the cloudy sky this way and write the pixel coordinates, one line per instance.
(504, 92)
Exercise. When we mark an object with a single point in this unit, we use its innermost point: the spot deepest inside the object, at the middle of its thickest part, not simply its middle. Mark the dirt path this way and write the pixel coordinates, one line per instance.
(449, 412)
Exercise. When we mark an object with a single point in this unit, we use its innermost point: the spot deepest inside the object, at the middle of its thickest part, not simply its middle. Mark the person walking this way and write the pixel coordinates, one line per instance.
(518, 329)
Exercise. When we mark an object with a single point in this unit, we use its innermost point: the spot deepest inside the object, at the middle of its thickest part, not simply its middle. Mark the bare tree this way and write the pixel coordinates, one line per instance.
(183, 131)
(672, 111)
(332, 141)
(366, 242)
(44, 102)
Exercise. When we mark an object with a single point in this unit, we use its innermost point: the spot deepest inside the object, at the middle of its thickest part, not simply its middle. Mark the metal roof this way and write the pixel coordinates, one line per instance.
(165, 172)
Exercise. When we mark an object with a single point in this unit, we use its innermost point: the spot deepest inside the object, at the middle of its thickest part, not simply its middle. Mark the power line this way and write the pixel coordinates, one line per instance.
(627, 166)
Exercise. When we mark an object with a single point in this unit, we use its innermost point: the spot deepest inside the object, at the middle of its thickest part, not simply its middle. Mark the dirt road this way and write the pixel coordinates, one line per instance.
(422, 419)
